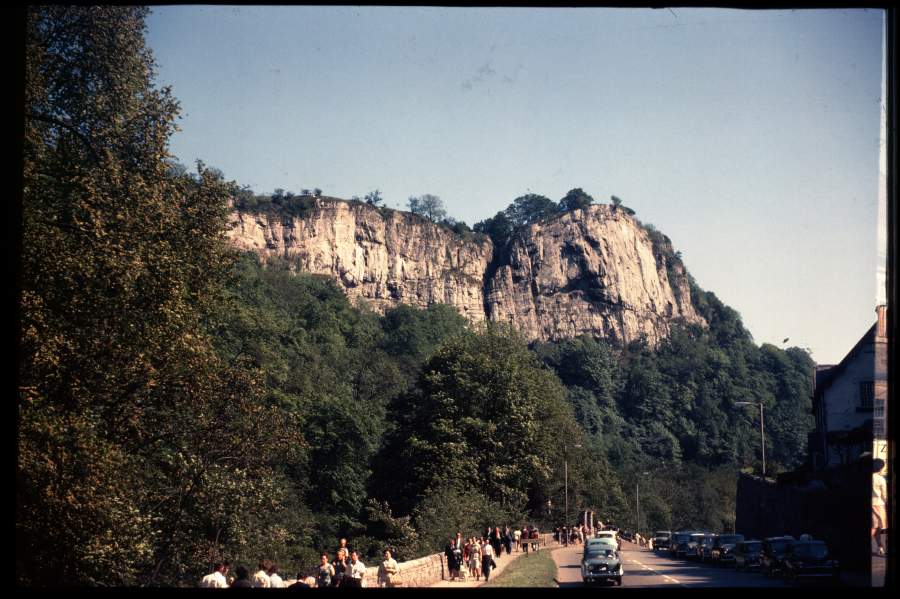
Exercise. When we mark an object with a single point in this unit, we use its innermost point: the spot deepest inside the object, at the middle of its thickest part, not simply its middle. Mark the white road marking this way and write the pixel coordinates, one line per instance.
(666, 576)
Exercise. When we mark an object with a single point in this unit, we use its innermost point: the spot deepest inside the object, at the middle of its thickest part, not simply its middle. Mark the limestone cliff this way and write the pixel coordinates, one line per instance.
(592, 271)
(385, 257)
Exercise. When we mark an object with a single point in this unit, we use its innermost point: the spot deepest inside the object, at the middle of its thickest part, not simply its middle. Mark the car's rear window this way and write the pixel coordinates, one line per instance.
(778, 545)
(728, 539)
(818, 550)
(752, 546)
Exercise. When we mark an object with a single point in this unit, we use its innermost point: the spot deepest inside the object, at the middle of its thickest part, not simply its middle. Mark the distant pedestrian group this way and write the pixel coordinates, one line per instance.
(345, 570)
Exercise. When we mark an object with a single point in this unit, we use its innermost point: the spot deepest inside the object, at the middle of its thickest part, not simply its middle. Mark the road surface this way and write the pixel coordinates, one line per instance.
(645, 568)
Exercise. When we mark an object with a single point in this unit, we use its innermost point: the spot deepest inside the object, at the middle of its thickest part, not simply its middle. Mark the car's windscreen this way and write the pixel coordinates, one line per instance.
(730, 539)
(662, 534)
(595, 552)
(681, 538)
(752, 546)
(817, 550)
(709, 540)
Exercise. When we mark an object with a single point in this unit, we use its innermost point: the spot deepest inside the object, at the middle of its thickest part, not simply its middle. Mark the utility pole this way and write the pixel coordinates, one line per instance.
(762, 430)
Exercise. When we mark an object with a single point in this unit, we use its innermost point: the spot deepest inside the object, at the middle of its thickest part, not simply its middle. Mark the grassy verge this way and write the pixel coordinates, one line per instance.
(532, 570)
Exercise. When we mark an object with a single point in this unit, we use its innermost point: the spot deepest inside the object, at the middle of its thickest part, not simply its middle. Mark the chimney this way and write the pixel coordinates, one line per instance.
(881, 324)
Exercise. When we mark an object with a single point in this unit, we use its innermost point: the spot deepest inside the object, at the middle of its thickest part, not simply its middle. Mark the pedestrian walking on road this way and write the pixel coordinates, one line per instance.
(487, 560)
(517, 537)
(261, 578)
(275, 581)
(495, 541)
(388, 571)
(216, 579)
(243, 579)
(357, 571)
(507, 540)
(325, 573)
(474, 562)
(341, 568)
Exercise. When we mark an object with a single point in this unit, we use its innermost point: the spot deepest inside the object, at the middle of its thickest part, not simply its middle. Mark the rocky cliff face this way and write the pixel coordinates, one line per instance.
(385, 257)
(591, 271)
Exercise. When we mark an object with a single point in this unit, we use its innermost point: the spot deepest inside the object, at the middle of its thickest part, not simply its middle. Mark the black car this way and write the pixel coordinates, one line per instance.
(693, 543)
(722, 551)
(678, 544)
(809, 559)
(705, 546)
(746, 555)
(661, 539)
(627, 535)
(771, 557)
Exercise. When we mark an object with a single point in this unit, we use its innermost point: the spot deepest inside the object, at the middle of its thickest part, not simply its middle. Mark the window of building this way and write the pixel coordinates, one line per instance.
(866, 394)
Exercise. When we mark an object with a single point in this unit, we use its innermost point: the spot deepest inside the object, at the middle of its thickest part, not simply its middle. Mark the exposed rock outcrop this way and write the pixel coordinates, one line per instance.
(591, 271)
(385, 257)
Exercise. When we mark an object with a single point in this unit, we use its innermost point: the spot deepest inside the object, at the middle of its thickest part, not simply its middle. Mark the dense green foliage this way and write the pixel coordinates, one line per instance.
(141, 451)
(671, 411)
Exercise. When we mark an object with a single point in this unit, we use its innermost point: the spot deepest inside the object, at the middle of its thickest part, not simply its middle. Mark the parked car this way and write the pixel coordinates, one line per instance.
(678, 544)
(705, 546)
(661, 539)
(771, 557)
(746, 555)
(809, 559)
(601, 562)
(722, 551)
(692, 544)
(627, 535)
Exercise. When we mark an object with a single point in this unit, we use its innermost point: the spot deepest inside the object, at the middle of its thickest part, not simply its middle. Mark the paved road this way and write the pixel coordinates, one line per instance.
(645, 568)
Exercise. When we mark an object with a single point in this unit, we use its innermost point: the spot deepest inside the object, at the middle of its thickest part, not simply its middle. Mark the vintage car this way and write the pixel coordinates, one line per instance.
(693, 543)
(661, 539)
(722, 551)
(746, 555)
(809, 559)
(771, 557)
(678, 545)
(705, 546)
(610, 535)
(601, 562)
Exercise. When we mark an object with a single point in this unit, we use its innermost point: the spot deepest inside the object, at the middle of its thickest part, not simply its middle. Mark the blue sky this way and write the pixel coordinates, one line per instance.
(749, 137)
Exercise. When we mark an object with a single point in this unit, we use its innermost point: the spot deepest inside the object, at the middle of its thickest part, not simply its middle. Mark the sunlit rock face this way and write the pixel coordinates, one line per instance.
(384, 257)
(592, 271)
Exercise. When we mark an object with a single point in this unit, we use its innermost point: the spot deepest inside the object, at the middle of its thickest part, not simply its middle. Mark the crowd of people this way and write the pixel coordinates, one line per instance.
(473, 558)
(345, 570)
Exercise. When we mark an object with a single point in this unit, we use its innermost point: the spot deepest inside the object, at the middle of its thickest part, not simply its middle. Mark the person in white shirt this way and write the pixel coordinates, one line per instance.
(357, 570)
(261, 578)
(216, 579)
(275, 581)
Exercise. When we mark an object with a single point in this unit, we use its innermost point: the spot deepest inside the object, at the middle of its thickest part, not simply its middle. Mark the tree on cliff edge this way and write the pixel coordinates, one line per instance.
(429, 206)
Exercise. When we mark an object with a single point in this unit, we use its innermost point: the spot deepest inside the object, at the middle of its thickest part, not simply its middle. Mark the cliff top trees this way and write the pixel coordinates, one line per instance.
(429, 206)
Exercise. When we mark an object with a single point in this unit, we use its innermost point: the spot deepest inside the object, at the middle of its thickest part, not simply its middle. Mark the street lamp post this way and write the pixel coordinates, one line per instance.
(762, 429)
(637, 498)
(566, 460)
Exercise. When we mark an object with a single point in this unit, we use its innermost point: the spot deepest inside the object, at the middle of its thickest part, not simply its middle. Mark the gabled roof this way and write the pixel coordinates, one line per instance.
(824, 377)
